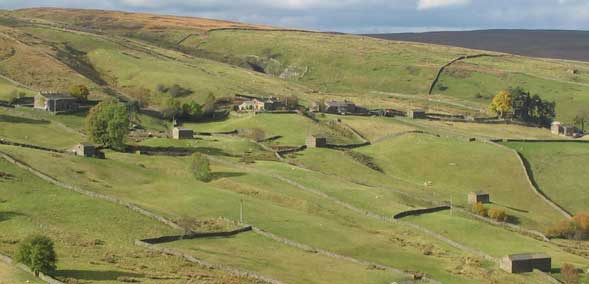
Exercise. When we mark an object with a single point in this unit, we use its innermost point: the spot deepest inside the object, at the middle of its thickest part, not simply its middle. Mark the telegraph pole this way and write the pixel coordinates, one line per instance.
(241, 211)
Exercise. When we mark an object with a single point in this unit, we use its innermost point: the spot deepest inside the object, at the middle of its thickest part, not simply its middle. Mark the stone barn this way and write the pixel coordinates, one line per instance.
(416, 114)
(85, 150)
(527, 262)
(478, 197)
(558, 128)
(316, 142)
(55, 102)
(181, 133)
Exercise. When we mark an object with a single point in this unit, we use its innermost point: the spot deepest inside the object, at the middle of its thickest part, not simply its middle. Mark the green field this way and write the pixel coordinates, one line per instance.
(94, 239)
(282, 262)
(558, 169)
(10, 274)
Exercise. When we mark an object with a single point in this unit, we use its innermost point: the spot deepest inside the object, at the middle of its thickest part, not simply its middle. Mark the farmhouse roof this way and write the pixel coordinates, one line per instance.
(56, 96)
(527, 256)
(338, 103)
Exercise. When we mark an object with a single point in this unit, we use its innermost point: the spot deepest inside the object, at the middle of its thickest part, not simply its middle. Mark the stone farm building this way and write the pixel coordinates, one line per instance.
(416, 114)
(181, 133)
(316, 142)
(558, 128)
(527, 262)
(55, 102)
(342, 107)
(85, 150)
(478, 197)
(269, 104)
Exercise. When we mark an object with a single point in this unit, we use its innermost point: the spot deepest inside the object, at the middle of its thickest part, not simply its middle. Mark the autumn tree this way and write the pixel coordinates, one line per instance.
(570, 274)
(108, 124)
(38, 254)
(80, 92)
(502, 103)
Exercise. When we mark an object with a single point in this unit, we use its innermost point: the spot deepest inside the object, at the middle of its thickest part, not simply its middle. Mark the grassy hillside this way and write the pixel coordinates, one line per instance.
(10, 274)
(558, 172)
(94, 239)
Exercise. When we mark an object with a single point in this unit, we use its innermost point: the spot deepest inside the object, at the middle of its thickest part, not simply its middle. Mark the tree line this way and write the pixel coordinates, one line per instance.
(518, 104)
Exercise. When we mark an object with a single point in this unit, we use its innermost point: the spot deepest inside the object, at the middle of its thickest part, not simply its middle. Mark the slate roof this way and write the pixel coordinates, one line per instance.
(56, 96)
(527, 256)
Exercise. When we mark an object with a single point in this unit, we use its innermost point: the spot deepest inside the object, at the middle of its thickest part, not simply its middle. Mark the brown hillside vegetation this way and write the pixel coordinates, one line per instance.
(130, 22)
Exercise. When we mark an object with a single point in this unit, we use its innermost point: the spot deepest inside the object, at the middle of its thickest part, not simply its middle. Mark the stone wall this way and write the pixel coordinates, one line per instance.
(418, 212)
(8, 260)
(168, 239)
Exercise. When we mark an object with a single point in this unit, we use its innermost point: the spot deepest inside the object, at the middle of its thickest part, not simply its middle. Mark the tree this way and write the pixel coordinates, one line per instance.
(498, 214)
(479, 209)
(80, 92)
(38, 254)
(171, 108)
(209, 106)
(108, 124)
(570, 274)
(201, 168)
(581, 119)
(192, 111)
(502, 103)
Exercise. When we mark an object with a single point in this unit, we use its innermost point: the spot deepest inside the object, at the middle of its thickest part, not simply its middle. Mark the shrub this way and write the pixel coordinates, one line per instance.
(570, 274)
(479, 209)
(498, 214)
(80, 92)
(576, 228)
(38, 254)
(201, 168)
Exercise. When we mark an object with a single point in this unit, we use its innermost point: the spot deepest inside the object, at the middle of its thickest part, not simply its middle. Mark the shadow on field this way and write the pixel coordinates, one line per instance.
(220, 175)
(94, 275)
(7, 215)
(16, 119)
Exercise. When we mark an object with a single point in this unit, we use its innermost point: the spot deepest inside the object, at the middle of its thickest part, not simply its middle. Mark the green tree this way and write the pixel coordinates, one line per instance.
(108, 124)
(38, 254)
(209, 106)
(502, 103)
(200, 167)
(581, 118)
(80, 91)
(192, 110)
(171, 108)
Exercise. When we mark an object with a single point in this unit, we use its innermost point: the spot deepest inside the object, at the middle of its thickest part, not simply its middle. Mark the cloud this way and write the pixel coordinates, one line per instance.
(356, 16)
(431, 4)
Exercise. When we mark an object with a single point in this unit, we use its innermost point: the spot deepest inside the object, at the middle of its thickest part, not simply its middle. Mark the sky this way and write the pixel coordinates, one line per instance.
(358, 16)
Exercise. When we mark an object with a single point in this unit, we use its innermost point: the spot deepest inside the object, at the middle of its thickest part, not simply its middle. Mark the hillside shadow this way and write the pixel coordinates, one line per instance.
(16, 119)
(94, 275)
(220, 175)
(7, 215)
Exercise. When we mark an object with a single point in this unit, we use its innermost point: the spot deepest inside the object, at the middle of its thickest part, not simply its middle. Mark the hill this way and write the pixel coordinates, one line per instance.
(556, 44)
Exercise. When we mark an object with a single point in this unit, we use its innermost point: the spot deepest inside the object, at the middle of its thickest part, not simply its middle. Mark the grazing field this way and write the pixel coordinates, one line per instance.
(293, 129)
(165, 186)
(36, 128)
(460, 167)
(94, 239)
(558, 169)
(215, 145)
(282, 262)
(476, 234)
(10, 274)
(8, 90)
(474, 81)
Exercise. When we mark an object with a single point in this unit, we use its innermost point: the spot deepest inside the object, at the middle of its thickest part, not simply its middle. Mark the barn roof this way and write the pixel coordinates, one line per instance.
(56, 96)
(528, 256)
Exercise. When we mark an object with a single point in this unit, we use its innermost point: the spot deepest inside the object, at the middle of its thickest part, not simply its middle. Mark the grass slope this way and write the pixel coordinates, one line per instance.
(557, 168)
(10, 274)
(165, 185)
(94, 239)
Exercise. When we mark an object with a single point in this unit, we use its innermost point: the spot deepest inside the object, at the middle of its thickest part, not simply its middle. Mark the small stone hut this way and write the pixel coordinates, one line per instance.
(416, 114)
(85, 150)
(557, 128)
(527, 262)
(478, 197)
(314, 141)
(182, 133)
(55, 102)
